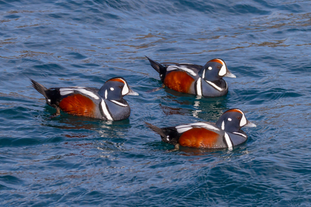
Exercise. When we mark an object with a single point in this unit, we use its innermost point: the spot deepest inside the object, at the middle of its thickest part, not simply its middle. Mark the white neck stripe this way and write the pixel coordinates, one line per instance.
(106, 94)
(105, 110)
(199, 87)
(228, 141)
(203, 74)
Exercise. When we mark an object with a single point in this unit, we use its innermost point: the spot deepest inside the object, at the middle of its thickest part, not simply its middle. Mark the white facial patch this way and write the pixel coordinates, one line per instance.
(210, 68)
(184, 68)
(223, 69)
(243, 121)
(105, 111)
(228, 141)
(214, 85)
(229, 119)
(223, 125)
(199, 87)
(125, 89)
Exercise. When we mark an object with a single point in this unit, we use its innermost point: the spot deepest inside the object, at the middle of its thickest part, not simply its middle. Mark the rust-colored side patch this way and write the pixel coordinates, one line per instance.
(179, 81)
(78, 105)
(199, 138)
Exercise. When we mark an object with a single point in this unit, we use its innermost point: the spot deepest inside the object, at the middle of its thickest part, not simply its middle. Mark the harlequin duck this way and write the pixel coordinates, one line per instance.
(106, 103)
(226, 133)
(194, 79)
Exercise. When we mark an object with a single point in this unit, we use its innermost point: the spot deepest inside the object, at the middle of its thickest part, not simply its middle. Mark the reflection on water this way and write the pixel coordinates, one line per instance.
(171, 110)
(196, 112)
(198, 107)
(82, 127)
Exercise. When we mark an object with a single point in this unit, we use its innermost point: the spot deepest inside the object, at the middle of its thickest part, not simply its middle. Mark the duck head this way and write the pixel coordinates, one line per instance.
(233, 120)
(115, 89)
(215, 69)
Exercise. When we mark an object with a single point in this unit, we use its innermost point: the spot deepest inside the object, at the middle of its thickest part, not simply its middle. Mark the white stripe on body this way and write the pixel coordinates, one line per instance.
(184, 68)
(214, 85)
(66, 91)
(118, 103)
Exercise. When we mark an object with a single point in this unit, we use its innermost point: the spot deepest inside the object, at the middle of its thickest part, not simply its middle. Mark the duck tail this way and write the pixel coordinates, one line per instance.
(168, 134)
(40, 88)
(156, 129)
(157, 66)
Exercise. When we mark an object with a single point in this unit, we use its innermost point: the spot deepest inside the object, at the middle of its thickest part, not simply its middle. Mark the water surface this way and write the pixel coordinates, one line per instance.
(72, 161)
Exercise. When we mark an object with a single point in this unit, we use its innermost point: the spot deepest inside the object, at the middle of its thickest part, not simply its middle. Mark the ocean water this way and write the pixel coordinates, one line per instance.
(74, 161)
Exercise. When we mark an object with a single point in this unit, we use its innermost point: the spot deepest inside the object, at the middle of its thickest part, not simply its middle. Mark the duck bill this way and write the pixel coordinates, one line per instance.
(229, 75)
(250, 124)
(132, 93)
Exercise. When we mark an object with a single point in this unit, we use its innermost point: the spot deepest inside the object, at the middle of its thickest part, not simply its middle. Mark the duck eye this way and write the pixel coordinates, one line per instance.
(210, 68)
(229, 119)
(111, 88)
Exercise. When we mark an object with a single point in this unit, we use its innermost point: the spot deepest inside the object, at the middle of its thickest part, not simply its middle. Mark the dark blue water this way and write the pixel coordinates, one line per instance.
(72, 161)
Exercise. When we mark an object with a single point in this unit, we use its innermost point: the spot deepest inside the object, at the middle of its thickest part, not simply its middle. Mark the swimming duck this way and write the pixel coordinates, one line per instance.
(225, 133)
(194, 79)
(106, 103)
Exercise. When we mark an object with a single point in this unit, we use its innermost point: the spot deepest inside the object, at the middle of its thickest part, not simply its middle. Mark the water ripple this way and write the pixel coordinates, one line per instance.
(67, 160)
